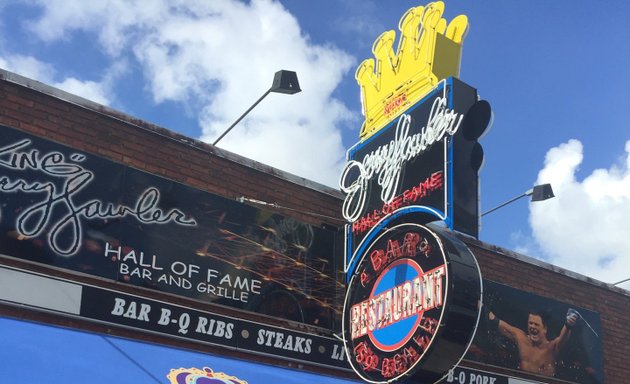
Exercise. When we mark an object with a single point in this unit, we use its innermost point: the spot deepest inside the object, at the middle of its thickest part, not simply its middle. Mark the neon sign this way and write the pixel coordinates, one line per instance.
(386, 162)
(403, 316)
(411, 309)
(73, 178)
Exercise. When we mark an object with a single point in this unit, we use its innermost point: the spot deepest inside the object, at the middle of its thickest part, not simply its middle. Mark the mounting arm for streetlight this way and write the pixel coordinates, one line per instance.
(283, 82)
(538, 193)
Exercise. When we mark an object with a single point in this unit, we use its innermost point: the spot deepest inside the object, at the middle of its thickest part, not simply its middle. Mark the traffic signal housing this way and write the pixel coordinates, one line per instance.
(468, 158)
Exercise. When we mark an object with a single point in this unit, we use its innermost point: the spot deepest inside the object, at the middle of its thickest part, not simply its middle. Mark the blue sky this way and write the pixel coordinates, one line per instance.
(556, 74)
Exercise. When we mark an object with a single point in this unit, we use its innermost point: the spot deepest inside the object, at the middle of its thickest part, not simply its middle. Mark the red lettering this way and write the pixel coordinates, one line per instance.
(422, 341)
(411, 355)
(408, 197)
(366, 357)
(410, 242)
(378, 259)
(365, 278)
(425, 186)
(395, 104)
(437, 180)
(428, 325)
(399, 363)
(388, 369)
(393, 249)
(416, 194)
(396, 203)
(366, 222)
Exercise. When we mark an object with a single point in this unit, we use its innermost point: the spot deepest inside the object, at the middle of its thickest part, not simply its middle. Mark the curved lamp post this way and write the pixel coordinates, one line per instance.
(283, 82)
(538, 193)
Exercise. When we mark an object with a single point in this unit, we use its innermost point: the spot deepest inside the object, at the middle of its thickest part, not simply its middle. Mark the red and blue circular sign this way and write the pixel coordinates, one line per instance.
(394, 334)
(400, 305)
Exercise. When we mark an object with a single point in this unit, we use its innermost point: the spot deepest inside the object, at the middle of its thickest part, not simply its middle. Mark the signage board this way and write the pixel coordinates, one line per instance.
(460, 375)
(414, 292)
(530, 333)
(80, 212)
(408, 168)
(144, 314)
(412, 305)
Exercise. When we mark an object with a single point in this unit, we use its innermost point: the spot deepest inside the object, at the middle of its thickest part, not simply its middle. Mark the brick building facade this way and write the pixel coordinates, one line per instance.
(54, 115)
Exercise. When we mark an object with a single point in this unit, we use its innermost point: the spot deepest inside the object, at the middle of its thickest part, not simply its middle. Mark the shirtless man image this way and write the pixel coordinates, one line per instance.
(537, 354)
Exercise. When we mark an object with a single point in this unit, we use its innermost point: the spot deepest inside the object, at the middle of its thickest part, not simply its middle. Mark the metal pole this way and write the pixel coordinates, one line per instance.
(506, 203)
(241, 118)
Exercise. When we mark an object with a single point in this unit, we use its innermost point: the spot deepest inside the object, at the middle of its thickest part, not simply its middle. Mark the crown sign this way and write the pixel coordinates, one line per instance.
(428, 51)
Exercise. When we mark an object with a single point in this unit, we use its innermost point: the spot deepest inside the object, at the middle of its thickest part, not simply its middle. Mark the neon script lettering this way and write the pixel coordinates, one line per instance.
(37, 218)
(386, 162)
(408, 197)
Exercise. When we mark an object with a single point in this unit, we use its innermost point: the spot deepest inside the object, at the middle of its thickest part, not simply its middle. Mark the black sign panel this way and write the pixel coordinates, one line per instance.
(539, 335)
(459, 375)
(155, 316)
(71, 210)
(407, 167)
(136, 312)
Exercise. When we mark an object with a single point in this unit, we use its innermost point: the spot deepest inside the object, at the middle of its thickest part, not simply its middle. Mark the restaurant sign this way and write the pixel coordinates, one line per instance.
(412, 305)
(418, 152)
(80, 212)
(414, 289)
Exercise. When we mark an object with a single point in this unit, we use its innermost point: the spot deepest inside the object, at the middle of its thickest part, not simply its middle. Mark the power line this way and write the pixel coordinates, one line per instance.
(132, 360)
(243, 199)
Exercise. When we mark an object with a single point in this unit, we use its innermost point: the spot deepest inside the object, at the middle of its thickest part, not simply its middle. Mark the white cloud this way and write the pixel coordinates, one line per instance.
(90, 90)
(34, 69)
(585, 228)
(220, 56)
(27, 66)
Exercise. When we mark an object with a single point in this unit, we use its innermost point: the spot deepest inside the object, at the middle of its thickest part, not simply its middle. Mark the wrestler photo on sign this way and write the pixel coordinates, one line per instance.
(537, 335)
(537, 354)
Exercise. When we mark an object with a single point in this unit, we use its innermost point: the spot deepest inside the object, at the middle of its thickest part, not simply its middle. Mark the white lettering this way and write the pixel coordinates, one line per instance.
(281, 341)
(338, 353)
(109, 249)
(165, 317)
(58, 214)
(131, 311)
(212, 273)
(387, 161)
(119, 307)
(184, 322)
(214, 327)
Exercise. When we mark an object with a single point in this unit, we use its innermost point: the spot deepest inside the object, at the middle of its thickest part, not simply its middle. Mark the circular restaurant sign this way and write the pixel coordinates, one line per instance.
(412, 305)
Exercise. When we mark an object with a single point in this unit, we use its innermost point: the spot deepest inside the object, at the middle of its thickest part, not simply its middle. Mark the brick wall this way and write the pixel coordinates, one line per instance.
(98, 130)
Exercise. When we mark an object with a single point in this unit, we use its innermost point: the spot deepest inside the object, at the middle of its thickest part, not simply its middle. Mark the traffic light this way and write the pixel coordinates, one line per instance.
(468, 159)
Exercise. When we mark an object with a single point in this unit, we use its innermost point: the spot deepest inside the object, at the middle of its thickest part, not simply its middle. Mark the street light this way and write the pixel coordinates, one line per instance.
(538, 193)
(283, 82)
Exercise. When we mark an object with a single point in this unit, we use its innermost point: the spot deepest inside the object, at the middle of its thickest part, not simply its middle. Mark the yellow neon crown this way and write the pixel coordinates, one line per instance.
(428, 51)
